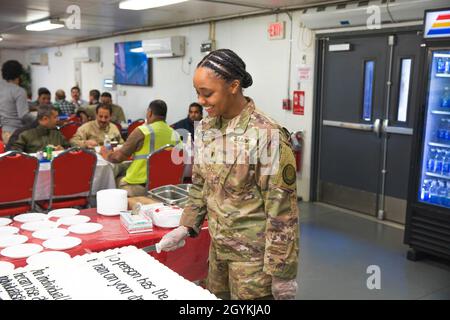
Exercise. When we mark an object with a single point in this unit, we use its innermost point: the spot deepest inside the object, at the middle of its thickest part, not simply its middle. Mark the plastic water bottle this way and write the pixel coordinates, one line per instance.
(107, 142)
(445, 100)
(425, 190)
(446, 163)
(431, 160)
(442, 192)
(433, 191)
(438, 162)
(441, 131)
(440, 65)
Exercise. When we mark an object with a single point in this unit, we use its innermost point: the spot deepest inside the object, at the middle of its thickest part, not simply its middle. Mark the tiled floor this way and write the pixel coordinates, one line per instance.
(336, 248)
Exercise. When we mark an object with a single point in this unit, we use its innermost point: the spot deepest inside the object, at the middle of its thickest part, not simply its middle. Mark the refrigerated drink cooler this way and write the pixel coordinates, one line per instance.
(427, 229)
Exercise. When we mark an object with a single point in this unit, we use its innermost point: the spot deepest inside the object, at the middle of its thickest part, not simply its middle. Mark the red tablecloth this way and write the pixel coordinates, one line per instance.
(189, 261)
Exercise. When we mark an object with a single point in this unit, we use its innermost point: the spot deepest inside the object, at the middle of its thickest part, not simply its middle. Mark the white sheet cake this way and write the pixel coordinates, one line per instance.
(118, 274)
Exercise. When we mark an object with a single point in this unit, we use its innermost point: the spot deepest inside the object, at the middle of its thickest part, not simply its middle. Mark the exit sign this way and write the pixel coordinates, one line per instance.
(276, 30)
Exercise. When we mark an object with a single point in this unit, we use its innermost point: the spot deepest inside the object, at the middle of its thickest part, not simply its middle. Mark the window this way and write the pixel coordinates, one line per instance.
(403, 95)
(369, 67)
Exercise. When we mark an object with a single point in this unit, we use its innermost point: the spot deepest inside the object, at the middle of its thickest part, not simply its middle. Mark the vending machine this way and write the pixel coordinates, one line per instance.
(427, 229)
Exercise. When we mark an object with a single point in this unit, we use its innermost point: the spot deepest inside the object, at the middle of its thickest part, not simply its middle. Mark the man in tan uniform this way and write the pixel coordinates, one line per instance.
(92, 133)
(247, 189)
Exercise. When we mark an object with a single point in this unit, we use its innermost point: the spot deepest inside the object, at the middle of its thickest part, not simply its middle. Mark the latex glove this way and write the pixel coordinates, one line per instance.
(284, 289)
(173, 240)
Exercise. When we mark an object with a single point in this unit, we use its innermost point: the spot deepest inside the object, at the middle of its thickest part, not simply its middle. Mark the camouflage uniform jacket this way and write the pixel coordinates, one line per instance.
(252, 213)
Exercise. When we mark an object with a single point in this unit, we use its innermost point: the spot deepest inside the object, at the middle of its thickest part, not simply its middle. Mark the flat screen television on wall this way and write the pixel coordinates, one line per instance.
(131, 65)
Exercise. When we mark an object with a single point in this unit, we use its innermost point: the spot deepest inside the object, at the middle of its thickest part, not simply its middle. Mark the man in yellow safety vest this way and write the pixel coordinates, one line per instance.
(147, 138)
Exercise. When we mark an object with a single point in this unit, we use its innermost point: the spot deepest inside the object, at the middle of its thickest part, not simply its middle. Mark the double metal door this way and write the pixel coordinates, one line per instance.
(368, 95)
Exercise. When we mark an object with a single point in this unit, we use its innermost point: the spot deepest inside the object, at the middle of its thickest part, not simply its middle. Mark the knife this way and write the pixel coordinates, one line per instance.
(150, 248)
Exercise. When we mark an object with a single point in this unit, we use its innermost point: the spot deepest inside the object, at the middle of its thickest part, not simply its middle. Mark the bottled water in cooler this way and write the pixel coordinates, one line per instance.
(445, 100)
(441, 192)
(435, 191)
(446, 163)
(443, 133)
(430, 161)
(425, 190)
(438, 160)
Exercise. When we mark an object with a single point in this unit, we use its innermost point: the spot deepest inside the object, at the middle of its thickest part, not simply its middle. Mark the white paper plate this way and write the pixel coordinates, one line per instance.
(62, 243)
(66, 212)
(21, 250)
(8, 230)
(71, 220)
(85, 228)
(6, 267)
(5, 221)
(39, 225)
(48, 258)
(30, 217)
(46, 234)
(12, 240)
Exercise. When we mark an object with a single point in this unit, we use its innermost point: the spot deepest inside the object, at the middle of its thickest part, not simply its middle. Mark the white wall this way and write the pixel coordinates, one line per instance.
(267, 61)
(12, 54)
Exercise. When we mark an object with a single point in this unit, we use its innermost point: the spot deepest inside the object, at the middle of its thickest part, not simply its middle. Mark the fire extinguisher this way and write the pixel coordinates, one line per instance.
(297, 146)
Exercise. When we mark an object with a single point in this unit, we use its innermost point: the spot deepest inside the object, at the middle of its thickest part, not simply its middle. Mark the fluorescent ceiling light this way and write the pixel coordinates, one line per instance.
(146, 4)
(44, 25)
(1, 38)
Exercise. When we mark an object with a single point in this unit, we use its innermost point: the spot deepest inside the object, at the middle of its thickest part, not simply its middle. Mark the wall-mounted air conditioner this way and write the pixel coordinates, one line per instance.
(357, 14)
(164, 47)
(88, 54)
(39, 59)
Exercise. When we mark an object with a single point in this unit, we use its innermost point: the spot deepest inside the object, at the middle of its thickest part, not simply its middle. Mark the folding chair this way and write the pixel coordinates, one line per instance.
(69, 129)
(134, 125)
(72, 173)
(162, 169)
(18, 176)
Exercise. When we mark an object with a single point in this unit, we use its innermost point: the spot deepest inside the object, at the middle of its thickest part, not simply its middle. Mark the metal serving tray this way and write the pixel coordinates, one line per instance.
(169, 194)
(185, 186)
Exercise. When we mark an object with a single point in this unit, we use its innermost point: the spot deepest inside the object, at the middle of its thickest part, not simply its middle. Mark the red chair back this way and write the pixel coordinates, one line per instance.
(163, 169)
(74, 118)
(119, 127)
(68, 130)
(18, 173)
(72, 173)
(134, 125)
(2, 146)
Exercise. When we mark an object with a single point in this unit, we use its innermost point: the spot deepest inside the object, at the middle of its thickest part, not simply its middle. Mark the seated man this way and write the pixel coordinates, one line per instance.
(89, 109)
(195, 114)
(94, 97)
(75, 92)
(44, 97)
(62, 105)
(92, 133)
(150, 137)
(117, 112)
(36, 139)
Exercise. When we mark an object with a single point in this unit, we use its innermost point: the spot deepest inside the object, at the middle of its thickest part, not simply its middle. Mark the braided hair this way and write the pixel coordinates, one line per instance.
(228, 66)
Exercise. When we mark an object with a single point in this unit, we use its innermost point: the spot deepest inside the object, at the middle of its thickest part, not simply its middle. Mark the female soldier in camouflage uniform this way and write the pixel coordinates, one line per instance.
(251, 206)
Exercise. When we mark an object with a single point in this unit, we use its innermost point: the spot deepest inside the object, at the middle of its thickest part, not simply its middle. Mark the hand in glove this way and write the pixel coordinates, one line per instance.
(172, 240)
(284, 289)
